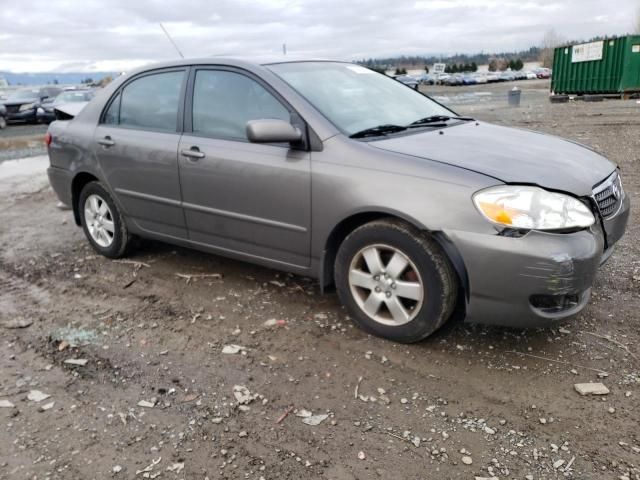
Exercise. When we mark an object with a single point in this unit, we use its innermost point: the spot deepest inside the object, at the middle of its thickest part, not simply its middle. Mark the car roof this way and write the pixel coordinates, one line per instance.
(234, 61)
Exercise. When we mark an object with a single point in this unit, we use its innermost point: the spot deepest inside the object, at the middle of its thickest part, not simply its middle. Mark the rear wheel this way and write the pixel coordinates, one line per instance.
(395, 281)
(102, 222)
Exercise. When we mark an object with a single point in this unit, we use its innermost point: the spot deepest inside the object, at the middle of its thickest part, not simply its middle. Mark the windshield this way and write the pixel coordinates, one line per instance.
(355, 98)
(67, 97)
(23, 94)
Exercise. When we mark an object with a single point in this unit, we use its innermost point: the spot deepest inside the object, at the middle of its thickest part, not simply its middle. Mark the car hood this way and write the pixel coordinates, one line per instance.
(13, 103)
(510, 155)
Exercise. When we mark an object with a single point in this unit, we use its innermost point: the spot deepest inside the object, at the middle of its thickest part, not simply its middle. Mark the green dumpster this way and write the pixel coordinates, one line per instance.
(609, 66)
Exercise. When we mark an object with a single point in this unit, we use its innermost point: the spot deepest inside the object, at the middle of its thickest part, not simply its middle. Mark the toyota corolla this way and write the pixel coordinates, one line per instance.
(331, 170)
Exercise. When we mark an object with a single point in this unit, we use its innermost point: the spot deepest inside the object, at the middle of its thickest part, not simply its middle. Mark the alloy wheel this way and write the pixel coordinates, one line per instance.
(99, 220)
(386, 285)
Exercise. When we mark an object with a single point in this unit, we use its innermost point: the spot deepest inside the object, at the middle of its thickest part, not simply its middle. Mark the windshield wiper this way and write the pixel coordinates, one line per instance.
(378, 131)
(437, 120)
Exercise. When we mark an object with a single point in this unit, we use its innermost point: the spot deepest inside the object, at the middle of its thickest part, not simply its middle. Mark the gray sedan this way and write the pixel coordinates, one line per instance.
(331, 170)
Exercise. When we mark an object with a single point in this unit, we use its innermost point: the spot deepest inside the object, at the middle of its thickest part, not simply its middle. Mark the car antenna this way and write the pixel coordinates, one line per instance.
(171, 40)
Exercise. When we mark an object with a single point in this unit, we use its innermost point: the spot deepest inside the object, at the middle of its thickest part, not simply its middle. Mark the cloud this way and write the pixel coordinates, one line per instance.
(65, 35)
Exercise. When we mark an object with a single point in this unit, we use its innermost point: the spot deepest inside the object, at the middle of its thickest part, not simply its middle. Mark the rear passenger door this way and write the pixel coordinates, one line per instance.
(242, 197)
(136, 144)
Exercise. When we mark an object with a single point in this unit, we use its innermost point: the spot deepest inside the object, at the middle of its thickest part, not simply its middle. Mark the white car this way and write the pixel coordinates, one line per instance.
(480, 78)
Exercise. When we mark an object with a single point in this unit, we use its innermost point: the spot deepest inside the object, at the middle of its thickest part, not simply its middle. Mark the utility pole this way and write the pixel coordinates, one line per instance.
(284, 49)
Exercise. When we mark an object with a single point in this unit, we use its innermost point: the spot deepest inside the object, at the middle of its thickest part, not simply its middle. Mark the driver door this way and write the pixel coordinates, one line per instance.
(241, 197)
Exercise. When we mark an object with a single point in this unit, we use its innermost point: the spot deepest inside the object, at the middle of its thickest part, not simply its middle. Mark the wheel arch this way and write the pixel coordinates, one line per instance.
(355, 220)
(77, 184)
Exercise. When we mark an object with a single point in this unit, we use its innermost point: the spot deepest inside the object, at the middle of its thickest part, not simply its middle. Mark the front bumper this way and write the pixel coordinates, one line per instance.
(537, 279)
(26, 116)
(45, 116)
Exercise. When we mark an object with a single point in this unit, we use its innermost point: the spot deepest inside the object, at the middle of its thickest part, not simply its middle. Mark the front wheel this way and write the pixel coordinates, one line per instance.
(102, 222)
(395, 281)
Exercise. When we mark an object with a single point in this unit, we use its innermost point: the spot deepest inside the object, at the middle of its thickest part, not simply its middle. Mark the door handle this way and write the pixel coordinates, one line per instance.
(193, 152)
(106, 141)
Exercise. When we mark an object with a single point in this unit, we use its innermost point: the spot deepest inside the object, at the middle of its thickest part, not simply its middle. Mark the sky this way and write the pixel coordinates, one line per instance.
(117, 35)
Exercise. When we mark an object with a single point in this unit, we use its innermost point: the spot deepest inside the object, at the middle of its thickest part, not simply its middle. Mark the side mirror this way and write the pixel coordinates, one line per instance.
(271, 130)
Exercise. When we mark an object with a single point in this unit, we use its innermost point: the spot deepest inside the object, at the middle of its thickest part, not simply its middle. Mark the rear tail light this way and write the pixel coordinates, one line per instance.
(47, 139)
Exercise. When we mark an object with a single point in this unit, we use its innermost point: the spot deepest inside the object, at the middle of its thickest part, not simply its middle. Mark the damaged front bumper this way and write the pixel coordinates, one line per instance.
(537, 279)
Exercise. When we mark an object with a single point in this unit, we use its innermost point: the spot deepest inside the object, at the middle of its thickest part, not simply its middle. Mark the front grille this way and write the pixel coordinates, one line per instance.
(608, 195)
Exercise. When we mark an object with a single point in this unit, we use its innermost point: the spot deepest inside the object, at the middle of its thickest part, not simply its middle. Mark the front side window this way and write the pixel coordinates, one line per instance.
(149, 102)
(354, 98)
(223, 103)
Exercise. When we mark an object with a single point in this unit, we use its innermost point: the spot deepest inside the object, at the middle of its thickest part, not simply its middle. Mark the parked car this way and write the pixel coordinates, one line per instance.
(407, 80)
(426, 79)
(442, 78)
(480, 78)
(46, 111)
(519, 75)
(543, 73)
(453, 80)
(3, 116)
(23, 104)
(329, 170)
(531, 76)
(493, 77)
(468, 79)
(507, 76)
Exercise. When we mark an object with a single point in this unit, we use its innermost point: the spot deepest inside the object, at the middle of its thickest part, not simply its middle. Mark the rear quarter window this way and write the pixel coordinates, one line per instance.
(112, 115)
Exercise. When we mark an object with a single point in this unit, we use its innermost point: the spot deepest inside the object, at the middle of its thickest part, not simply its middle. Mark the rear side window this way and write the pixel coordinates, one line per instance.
(150, 102)
(223, 103)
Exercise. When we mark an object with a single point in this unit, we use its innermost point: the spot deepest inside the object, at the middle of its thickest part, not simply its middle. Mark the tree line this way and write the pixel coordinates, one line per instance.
(420, 61)
(496, 61)
(502, 64)
(461, 67)
(495, 64)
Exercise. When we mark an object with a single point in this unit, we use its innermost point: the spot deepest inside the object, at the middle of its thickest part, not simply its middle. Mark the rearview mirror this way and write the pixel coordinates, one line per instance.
(272, 130)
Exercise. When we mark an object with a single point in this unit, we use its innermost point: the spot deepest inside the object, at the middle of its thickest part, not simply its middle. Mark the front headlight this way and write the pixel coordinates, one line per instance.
(532, 208)
(27, 106)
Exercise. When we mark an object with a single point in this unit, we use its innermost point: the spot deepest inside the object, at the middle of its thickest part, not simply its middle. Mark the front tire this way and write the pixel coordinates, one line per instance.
(102, 221)
(395, 281)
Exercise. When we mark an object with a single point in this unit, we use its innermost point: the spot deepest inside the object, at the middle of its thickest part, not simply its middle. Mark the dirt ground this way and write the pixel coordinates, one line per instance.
(158, 397)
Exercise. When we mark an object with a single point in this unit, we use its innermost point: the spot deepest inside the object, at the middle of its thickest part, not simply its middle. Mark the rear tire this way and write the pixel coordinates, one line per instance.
(395, 281)
(102, 222)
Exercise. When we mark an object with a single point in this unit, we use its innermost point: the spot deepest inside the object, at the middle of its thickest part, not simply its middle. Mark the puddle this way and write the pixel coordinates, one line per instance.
(23, 166)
